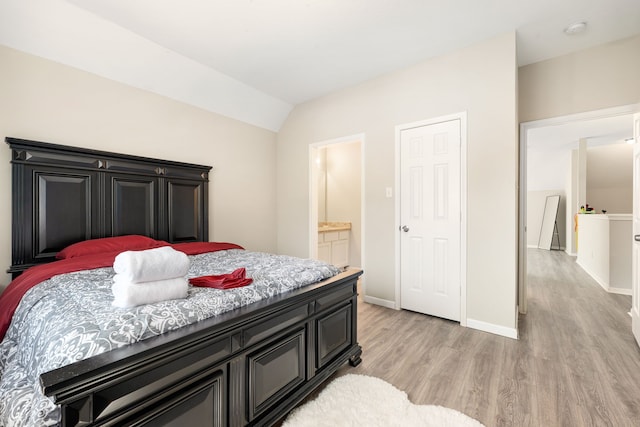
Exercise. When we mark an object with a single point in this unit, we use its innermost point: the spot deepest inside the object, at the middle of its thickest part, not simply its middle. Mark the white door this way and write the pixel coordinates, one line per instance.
(635, 299)
(430, 219)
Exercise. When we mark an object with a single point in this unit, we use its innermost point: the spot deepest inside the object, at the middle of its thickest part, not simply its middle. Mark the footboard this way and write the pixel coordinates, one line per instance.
(246, 367)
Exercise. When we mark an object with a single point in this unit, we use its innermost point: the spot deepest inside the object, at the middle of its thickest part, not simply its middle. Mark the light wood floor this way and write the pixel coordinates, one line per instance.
(576, 362)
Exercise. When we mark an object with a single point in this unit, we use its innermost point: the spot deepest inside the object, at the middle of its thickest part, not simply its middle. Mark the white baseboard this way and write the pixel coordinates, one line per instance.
(379, 301)
(620, 291)
(493, 329)
(473, 324)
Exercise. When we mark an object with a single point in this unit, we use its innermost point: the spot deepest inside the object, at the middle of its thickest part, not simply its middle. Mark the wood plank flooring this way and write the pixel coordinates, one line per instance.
(576, 362)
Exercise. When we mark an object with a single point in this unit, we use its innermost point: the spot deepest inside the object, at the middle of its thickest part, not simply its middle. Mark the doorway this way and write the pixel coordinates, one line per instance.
(336, 195)
(594, 128)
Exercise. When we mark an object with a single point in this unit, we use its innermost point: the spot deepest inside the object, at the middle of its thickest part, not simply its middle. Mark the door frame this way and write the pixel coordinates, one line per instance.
(462, 116)
(635, 264)
(522, 227)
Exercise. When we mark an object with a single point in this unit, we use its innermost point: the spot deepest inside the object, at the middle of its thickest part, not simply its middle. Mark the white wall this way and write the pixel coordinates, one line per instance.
(343, 192)
(546, 168)
(605, 250)
(480, 80)
(46, 101)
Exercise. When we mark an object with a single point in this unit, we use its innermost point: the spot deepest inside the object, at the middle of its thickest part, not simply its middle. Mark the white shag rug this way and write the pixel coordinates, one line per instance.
(360, 400)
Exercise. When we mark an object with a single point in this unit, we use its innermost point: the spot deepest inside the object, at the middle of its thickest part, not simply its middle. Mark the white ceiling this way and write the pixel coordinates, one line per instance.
(255, 59)
(549, 151)
(565, 136)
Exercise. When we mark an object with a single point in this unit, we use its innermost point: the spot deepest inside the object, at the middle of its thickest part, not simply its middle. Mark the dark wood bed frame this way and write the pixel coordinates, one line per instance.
(250, 366)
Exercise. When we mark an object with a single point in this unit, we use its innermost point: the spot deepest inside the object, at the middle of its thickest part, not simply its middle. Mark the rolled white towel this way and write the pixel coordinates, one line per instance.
(127, 294)
(151, 264)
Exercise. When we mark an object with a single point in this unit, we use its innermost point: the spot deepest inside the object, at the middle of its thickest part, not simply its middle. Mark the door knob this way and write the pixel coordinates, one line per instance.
(405, 228)
(636, 237)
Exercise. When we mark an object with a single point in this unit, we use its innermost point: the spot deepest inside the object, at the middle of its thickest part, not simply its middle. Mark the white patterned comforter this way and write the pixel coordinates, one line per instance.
(69, 318)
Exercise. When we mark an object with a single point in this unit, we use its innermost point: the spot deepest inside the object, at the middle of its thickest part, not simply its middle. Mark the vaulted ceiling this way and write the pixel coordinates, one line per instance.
(253, 60)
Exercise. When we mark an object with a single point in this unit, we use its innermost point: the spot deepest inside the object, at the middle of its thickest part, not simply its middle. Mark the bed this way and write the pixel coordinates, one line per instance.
(247, 363)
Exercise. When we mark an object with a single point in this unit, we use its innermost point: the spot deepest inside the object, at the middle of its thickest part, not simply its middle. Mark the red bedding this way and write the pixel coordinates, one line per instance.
(236, 279)
(12, 295)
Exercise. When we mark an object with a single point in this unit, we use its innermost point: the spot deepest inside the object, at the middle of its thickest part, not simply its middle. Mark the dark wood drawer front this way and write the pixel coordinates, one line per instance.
(203, 406)
(136, 390)
(275, 370)
(333, 334)
(266, 328)
(333, 299)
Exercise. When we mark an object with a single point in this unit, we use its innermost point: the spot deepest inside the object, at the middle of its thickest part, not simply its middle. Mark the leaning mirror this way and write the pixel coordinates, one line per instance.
(549, 229)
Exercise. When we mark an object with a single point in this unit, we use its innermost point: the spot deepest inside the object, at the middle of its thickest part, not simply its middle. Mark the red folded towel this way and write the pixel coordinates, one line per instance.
(236, 279)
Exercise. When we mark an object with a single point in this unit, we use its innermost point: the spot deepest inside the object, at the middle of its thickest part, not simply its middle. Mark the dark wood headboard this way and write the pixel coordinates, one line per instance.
(62, 195)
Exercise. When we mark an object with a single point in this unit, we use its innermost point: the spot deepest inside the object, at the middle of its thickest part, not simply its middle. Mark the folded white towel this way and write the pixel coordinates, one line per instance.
(151, 264)
(127, 294)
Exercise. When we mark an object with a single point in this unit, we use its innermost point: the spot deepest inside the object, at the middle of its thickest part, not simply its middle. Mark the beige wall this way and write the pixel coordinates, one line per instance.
(610, 178)
(592, 79)
(46, 101)
(480, 80)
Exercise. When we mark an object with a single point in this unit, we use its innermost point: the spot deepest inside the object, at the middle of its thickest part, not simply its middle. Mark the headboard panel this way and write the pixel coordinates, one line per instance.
(62, 195)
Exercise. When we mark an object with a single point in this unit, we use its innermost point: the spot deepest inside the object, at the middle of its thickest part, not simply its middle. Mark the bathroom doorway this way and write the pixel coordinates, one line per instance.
(336, 201)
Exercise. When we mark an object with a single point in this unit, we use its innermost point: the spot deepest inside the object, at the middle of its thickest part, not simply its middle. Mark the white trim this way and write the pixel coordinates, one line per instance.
(522, 228)
(396, 222)
(635, 322)
(463, 218)
(620, 291)
(313, 200)
(493, 329)
(579, 117)
(462, 116)
(379, 301)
